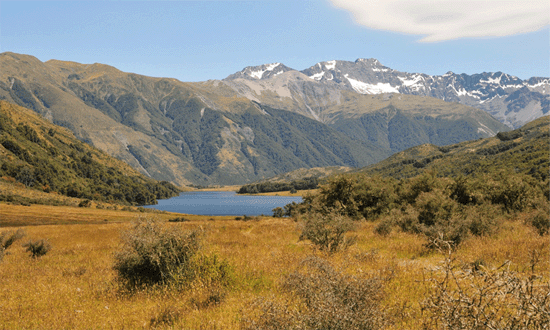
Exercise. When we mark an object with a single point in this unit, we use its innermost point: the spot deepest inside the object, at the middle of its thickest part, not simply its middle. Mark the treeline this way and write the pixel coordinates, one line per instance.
(263, 187)
(44, 159)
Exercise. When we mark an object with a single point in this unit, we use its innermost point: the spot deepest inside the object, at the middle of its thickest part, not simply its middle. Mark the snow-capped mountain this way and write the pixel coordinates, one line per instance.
(510, 99)
(264, 71)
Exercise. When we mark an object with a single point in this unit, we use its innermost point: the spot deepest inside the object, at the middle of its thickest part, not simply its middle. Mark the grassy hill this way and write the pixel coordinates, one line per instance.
(524, 150)
(46, 157)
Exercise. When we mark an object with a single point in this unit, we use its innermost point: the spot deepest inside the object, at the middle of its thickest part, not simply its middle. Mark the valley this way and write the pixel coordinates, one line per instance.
(276, 165)
(216, 133)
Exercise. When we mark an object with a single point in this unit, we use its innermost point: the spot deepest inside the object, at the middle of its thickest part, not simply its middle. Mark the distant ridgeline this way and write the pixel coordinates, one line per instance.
(43, 156)
(263, 187)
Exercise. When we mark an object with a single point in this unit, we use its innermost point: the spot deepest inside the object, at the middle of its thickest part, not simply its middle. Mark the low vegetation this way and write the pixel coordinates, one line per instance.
(292, 186)
(448, 209)
(259, 274)
(7, 238)
(364, 252)
(38, 248)
(153, 254)
(318, 296)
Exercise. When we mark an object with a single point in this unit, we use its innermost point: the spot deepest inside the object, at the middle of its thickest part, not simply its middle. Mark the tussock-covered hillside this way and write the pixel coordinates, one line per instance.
(43, 156)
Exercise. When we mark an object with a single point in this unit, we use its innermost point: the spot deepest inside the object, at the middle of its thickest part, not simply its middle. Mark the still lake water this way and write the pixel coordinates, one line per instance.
(223, 203)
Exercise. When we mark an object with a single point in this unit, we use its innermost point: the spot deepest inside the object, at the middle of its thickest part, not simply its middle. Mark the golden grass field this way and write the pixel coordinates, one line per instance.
(74, 286)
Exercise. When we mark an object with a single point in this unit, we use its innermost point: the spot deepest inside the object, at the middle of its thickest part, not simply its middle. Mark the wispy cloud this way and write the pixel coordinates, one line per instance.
(439, 20)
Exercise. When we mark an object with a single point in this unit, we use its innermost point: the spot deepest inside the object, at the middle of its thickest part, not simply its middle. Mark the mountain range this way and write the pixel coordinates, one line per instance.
(511, 100)
(257, 123)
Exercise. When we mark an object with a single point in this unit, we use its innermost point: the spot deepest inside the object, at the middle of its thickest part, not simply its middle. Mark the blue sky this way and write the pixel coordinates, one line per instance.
(201, 40)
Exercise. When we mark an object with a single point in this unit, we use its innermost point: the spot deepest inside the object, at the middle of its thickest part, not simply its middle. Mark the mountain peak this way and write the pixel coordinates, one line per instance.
(371, 61)
(258, 72)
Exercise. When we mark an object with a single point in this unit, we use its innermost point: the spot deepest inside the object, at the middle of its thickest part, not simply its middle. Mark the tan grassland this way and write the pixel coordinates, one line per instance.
(74, 286)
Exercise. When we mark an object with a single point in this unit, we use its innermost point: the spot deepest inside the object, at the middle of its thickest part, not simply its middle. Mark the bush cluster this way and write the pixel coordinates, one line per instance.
(478, 297)
(293, 186)
(450, 209)
(321, 297)
(38, 248)
(327, 231)
(153, 254)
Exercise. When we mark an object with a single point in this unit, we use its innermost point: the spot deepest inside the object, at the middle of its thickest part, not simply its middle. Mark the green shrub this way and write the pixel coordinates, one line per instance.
(278, 212)
(209, 270)
(515, 192)
(435, 215)
(374, 196)
(152, 253)
(321, 297)
(38, 248)
(540, 221)
(384, 227)
(327, 231)
(85, 203)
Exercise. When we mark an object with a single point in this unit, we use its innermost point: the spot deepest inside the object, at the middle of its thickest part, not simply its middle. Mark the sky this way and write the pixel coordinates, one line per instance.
(201, 40)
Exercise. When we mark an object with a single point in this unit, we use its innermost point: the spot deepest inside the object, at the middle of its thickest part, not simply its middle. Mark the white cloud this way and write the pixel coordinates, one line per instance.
(440, 20)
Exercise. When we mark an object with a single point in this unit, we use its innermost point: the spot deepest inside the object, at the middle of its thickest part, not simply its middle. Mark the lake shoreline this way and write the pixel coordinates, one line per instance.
(223, 203)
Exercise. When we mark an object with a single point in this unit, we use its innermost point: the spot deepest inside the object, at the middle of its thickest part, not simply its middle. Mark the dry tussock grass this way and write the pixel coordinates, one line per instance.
(74, 285)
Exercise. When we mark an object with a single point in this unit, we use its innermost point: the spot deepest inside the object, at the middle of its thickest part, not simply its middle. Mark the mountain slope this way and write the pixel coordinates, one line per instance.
(188, 133)
(524, 150)
(47, 157)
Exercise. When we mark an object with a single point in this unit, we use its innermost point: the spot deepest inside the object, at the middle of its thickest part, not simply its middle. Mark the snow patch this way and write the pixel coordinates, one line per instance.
(380, 70)
(331, 65)
(318, 76)
(413, 83)
(202, 112)
(491, 80)
(258, 74)
(364, 88)
(542, 83)
(272, 66)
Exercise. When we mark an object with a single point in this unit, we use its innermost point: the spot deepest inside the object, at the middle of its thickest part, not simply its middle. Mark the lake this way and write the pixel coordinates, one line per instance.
(223, 203)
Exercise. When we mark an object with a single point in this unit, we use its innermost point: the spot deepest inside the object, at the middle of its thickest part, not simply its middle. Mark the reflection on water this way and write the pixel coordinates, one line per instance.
(223, 203)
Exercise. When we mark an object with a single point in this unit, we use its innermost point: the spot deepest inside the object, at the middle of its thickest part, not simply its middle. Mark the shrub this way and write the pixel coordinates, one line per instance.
(85, 203)
(38, 248)
(514, 192)
(322, 297)
(210, 270)
(165, 316)
(152, 253)
(278, 212)
(7, 238)
(327, 231)
(435, 215)
(540, 221)
(484, 298)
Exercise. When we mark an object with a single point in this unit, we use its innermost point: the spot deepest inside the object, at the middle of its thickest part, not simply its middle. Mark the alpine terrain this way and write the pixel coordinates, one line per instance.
(511, 100)
(258, 123)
